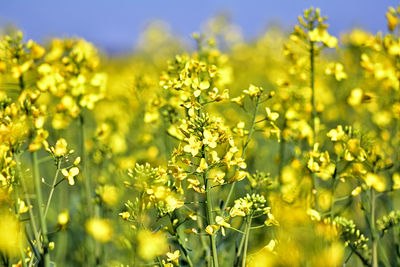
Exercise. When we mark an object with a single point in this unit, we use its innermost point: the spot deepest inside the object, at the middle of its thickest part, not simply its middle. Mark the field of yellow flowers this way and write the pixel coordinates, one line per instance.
(282, 151)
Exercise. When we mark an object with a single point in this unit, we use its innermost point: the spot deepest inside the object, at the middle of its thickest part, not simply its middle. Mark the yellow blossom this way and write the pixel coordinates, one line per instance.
(376, 181)
(202, 166)
(253, 90)
(174, 256)
(100, 229)
(210, 139)
(63, 218)
(193, 146)
(70, 174)
(272, 116)
(61, 148)
(151, 245)
(336, 134)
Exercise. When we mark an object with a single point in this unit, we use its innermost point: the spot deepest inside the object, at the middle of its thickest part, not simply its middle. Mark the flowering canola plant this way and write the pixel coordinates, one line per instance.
(282, 151)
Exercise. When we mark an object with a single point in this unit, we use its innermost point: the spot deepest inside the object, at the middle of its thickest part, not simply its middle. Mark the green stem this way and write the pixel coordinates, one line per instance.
(246, 242)
(282, 146)
(28, 202)
(53, 187)
(333, 185)
(374, 235)
(240, 249)
(200, 224)
(313, 113)
(21, 250)
(184, 250)
(312, 85)
(86, 177)
(210, 220)
(251, 131)
(39, 197)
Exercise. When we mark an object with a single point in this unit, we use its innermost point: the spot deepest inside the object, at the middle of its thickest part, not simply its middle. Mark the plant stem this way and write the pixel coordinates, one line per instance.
(200, 224)
(210, 219)
(246, 242)
(17, 198)
(282, 146)
(251, 131)
(333, 185)
(184, 250)
(39, 197)
(28, 201)
(374, 236)
(88, 187)
(240, 249)
(53, 187)
(313, 113)
(312, 85)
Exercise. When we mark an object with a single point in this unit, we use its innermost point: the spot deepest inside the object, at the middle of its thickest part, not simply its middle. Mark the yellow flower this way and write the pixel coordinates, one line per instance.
(204, 85)
(336, 69)
(322, 35)
(315, 216)
(356, 191)
(376, 181)
(239, 175)
(271, 221)
(22, 207)
(11, 234)
(272, 116)
(241, 208)
(210, 229)
(109, 194)
(100, 229)
(271, 245)
(193, 147)
(61, 148)
(392, 21)
(151, 245)
(173, 203)
(253, 90)
(63, 218)
(217, 176)
(69, 175)
(174, 256)
(396, 181)
(203, 165)
(238, 100)
(210, 139)
(336, 134)
(125, 215)
(222, 224)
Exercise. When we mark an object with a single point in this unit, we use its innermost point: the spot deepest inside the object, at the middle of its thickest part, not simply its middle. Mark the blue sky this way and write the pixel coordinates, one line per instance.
(115, 25)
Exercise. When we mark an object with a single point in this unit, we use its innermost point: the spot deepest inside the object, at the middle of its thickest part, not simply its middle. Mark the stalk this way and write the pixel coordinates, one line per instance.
(210, 219)
(246, 242)
(242, 240)
(251, 131)
(53, 187)
(374, 236)
(21, 250)
(184, 250)
(312, 85)
(200, 224)
(86, 177)
(282, 146)
(45, 261)
(91, 244)
(29, 203)
(313, 111)
(332, 211)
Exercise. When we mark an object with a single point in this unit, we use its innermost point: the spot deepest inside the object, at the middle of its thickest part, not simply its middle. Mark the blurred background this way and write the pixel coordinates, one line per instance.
(115, 26)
